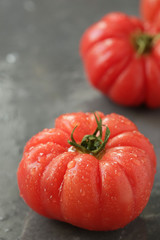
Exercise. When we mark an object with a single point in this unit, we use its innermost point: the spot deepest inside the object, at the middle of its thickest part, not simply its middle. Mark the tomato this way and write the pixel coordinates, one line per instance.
(100, 179)
(151, 11)
(122, 59)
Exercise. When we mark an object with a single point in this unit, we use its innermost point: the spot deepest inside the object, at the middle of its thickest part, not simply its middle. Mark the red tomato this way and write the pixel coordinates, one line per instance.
(94, 184)
(151, 11)
(122, 59)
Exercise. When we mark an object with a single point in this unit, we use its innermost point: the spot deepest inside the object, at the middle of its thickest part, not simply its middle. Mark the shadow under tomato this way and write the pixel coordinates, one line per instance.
(40, 228)
(104, 104)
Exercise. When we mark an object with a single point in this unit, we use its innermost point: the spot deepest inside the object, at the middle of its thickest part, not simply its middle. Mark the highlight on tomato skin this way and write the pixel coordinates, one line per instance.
(150, 11)
(92, 170)
(121, 59)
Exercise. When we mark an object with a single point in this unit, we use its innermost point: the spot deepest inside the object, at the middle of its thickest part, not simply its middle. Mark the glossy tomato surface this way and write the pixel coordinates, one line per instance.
(96, 194)
(115, 67)
(150, 10)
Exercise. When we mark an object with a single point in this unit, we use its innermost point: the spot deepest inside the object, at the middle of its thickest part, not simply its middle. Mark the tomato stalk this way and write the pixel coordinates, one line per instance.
(92, 144)
(144, 43)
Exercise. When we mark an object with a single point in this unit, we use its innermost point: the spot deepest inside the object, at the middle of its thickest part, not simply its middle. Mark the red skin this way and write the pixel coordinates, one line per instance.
(77, 188)
(150, 10)
(113, 66)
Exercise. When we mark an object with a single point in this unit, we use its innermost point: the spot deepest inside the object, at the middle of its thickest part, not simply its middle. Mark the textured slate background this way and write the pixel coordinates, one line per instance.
(41, 77)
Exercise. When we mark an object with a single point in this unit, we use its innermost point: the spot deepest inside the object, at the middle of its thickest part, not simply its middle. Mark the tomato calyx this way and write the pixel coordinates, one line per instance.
(144, 43)
(92, 144)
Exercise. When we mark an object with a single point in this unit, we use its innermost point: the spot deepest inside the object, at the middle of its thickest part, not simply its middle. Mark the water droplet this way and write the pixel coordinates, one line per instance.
(11, 58)
(45, 190)
(71, 164)
(135, 155)
(60, 188)
(41, 154)
(82, 192)
(121, 151)
(71, 149)
(51, 197)
(2, 218)
(7, 230)
(115, 171)
(29, 6)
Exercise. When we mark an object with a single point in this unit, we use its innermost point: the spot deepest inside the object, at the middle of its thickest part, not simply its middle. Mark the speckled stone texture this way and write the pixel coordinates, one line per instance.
(41, 77)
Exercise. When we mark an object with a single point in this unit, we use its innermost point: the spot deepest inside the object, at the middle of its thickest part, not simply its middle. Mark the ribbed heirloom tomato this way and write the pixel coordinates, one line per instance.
(100, 179)
(151, 11)
(121, 57)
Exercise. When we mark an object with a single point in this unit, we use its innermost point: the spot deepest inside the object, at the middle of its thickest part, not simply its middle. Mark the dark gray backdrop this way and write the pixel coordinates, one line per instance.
(41, 77)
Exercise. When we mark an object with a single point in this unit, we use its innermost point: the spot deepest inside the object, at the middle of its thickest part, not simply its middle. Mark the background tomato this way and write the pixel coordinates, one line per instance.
(122, 59)
(96, 192)
(150, 11)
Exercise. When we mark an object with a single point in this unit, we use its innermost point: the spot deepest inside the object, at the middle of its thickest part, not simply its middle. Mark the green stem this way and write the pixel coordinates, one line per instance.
(144, 43)
(92, 144)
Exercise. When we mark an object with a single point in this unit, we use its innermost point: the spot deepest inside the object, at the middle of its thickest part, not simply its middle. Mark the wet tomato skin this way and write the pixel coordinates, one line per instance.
(75, 187)
(116, 66)
(150, 11)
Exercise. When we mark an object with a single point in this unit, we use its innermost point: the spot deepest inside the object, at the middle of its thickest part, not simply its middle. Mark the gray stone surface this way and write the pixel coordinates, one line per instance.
(41, 77)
